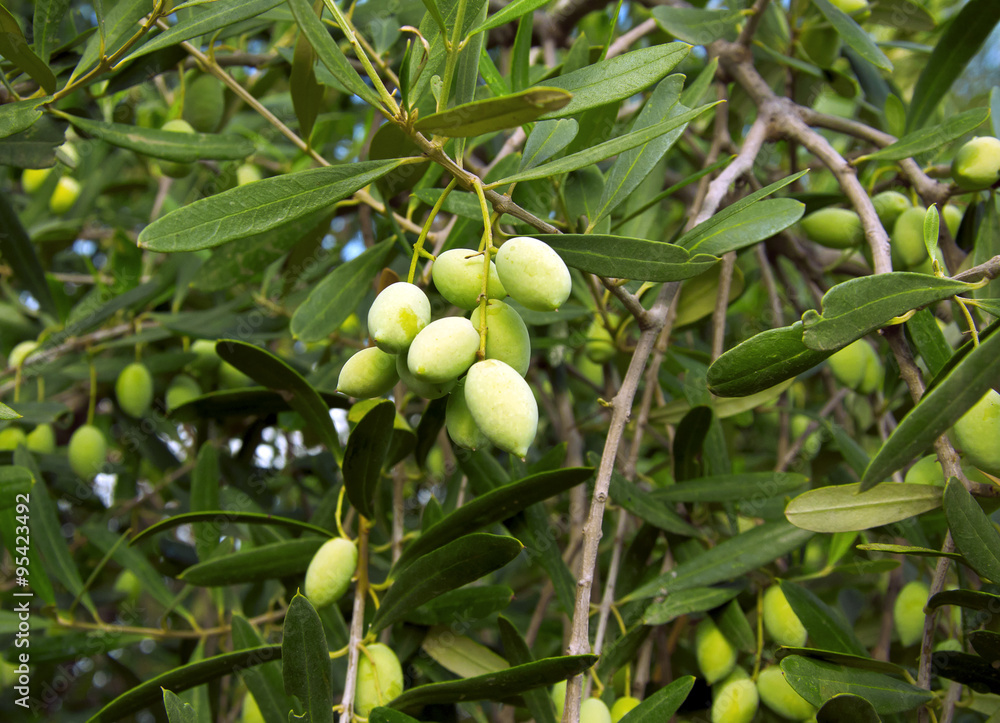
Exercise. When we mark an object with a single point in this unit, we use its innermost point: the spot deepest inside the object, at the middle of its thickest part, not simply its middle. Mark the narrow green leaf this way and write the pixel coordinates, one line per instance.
(725, 488)
(306, 660)
(496, 686)
(19, 252)
(604, 150)
(852, 33)
(696, 25)
(215, 16)
(685, 602)
(336, 297)
(662, 705)
(467, 603)
(847, 508)
(460, 654)
(901, 14)
(14, 481)
(451, 566)
(628, 258)
(494, 114)
(435, 13)
(546, 139)
(114, 28)
(697, 88)
(388, 715)
(182, 678)
(130, 559)
(307, 94)
(817, 681)
(673, 412)
(762, 361)
(507, 13)
(956, 390)
(276, 560)
(646, 506)
(177, 710)
(19, 116)
(252, 401)
(848, 660)
(221, 518)
(365, 455)
(516, 649)
(845, 708)
(987, 644)
(859, 306)
(961, 41)
(969, 670)
(929, 139)
(204, 499)
(15, 48)
(728, 560)
(929, 341)
(826, 627)
(494, 506)
(48, 16)
(8, 413)
(756, 223)
(620, 77)
(257, 207)
(271, 371)
(971, 599)
(973, 532)
(265, 682)
(910, 550)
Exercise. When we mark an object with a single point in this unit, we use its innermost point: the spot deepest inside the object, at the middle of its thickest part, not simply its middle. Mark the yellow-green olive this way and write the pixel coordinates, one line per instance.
(780, 621)
(735, 699)
(330, 572)
(397, 315)
(715, 655)
(857, 366)
(427, 390)
(368, 373)
(623, 706)
(908, 612)
(977, 433)
(134, 389)
(11, 438)
(181, 391)
(780, 697)
(458, 277)
(977, 164)
(443, 350)
(87, 450)
(889, 205)
(41, 439)
(506, 335)
(502, 406)
(175, 169)
(459, 422)
(64, 196)
(593, 710)
(380, 678)
(837, 228)
(533, 273)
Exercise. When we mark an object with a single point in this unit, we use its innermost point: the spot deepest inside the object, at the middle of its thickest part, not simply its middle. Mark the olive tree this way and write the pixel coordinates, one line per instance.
(556, 361)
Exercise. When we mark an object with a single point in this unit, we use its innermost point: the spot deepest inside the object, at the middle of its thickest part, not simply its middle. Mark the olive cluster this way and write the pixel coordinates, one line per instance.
(489, 402)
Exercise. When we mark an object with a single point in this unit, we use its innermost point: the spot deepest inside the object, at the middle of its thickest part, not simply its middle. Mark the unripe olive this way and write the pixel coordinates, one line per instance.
(977, 164)
(21, 352)
(600, 345)
(380, 678)
(593, 710)
(181, 390)
(87, 450)
(977, 433)
(443, 350)
(715, 655)
(207, 359)
(330, 572)
(780, 621)
(951, 645)
(836, 228)
(64, 196)
(952, 216)
(533, 273)
(33, 178)
(889, 205)
(908, 248)
(458, 276)
(427, 390)
(249, 173)
(925, 471)
(204, 103)
(622, 706)
(173, 168)
(397, 315)
(850, 6)
(11, 438)
(735, 699)
(459, 422)
(558, 696)
(368, 373)
(506, 335)
(128, 584)
(821, 44)
(41, 439)
(780, 697)
(908, 612)
(857, 366)
(134, 389)
(797, 427)
(502, 405)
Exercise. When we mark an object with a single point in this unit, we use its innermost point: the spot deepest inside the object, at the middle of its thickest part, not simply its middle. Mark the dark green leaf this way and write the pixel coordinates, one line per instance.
(826, 627)
(517, 653)
(19, 116)
(818, 681)
(221, 518)
(726, 488)
(974, 534)
(685, 602)
(204, 498)
(265, 681)
(697, 26)
(853, 35)
(257, 207)
(177, 710)
(130, 559)
(14, 48)
(494, 114)
(457, 563)
(305, 660)
(546, 139)
(848, 660)
(34, 147)
(48, 16)
(662, 705)
(846, 508)
(467, 603)
(972, 599)
(987, 644)
(365, 454)
(19, 252)
(14, 481)
(252, 401)
(760, 221)
(182, 678)
(969, 670)
(507, 13)
(844, 708)
(628, 258)
(646, 506)
(910, 550)
(929, 340)
(930, 139)
(388, 715)
(276, 560)
(901, 14)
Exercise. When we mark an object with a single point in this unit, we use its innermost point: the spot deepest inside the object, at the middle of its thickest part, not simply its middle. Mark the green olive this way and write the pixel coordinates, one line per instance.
(427, 390)
(175, 169)
(251, 711)
(458, 277)
(249, 173)
(443, 350)
(181, 391)
(64, 196)
(780, 697)
(397, 315)
(857, 366)
(977, 433)
(459, 422)
(837, 228)
(908, 612)
(20, 353)
(715, 655)
(330, 572)
(506, 335)
(889, 205)
(623, 706)
(600, 345)
(87, 450)
(33, 178)
(977, 164)
(204, 104)
(533, 273)
(11, 438)
(134, 389)
(368, 373)
(850, 6)
(780, 621)
(502, 406)
(593, 710)
(558, 696)
(41, 439)
(735, 699)
(380, 678)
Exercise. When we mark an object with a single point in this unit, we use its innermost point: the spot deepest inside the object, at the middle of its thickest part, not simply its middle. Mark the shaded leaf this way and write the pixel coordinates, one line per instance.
(663, 703)
(467, 603)
(818, 681)
(305, 660)
(696, 25)
(276, 560)
(685, 602)
(827, 629)
(252, 401)
(365, 454)
(19, 252)
(852, 33)
(14, 48)
(627, 258)
(19, 116)
(930, 139)
(494, 114)
(546, 139)
(725, 488)
(222, 518)
(974, 534)
(516, 649)
(969, 670)
(646, 506)
(972, 599)
(264, 681)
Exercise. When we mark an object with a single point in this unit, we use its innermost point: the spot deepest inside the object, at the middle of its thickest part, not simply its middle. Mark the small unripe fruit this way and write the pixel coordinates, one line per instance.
(593, 710)
(33, 178)
(459, 422)
(857, 366)
(889, 205)
(600, 345)
(87, 450)
(908, 248)
(173, 168)
(925, 471)
(443, 350)
(977, 433)
(506, 335)
(952, 216)
(781, 622)
(21, 352)
(908, 612)
(368, 373)
(715, 655)
(65, 195)
(780, 697)
(558, 696)
(41, 439)
(836, 228)
(977, 164)
(249, 173)
(207, 359)
(380, 678)
(11, 438)
(128, 584)
(458, 277)
(134, 389)
(533, 273)
(850, 6)
(181, 391)
(397, 315)
(204, 103)
(622, 706)
(330, 572)
(735, 699)
(502, 406)
(427, 390)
